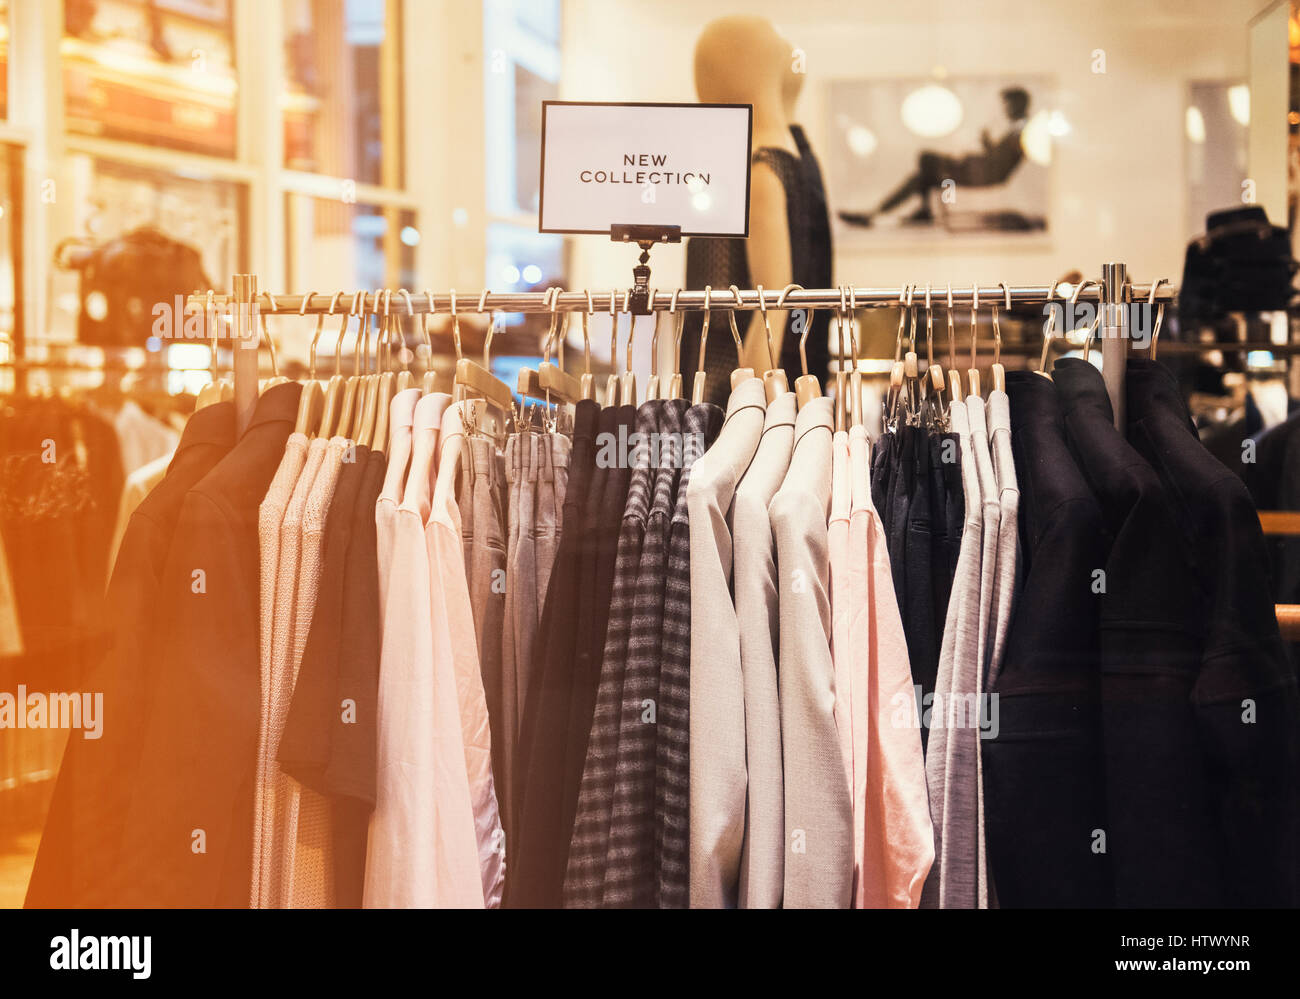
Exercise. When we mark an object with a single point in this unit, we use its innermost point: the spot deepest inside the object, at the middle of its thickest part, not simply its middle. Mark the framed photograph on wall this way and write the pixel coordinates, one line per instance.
(924, 159)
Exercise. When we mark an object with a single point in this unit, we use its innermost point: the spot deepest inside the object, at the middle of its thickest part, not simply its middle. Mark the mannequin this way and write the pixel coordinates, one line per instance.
(742, 60)
(821, 273)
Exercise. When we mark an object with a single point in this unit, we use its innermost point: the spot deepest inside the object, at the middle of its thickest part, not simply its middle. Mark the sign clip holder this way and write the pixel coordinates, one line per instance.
(645, 236)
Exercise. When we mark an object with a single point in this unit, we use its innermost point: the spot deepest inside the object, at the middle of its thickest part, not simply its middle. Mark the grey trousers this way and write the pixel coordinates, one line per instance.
(537, 471)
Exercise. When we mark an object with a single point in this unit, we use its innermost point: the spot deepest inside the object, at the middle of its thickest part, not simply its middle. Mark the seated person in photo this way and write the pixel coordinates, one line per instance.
(994, 165)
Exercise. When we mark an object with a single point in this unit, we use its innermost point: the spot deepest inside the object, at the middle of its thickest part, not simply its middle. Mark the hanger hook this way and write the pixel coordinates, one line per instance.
(974, 333)
(807, 324)
(455, 325)
(631, 331)
(1047, 332)
(902, 323)
(767, 328)
(677, 331)
(704, 330)
(997, 329)
(911, 312)
(320, 322)
(654, 336)
(552, 300)
(1160, 314)
(952, 350)
(266, 333)
(586, 338)
(853, 324)
(735, 330)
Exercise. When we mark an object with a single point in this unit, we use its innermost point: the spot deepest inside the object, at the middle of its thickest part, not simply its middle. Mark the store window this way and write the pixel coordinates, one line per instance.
(522, 43)
(4, 59)
(135, 222)
(342, 102)
(338, 246)
(156, 72)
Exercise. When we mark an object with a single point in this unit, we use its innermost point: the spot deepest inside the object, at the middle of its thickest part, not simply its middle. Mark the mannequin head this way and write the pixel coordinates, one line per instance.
(741, 60)
(791, 84)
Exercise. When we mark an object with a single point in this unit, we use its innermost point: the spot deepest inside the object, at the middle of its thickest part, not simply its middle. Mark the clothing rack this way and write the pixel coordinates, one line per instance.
(1112, 292)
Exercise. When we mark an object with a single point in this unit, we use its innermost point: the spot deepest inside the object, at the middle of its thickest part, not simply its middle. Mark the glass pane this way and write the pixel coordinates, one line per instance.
(160, 72)
(521, 71)
(1215, 129)
(334, 245)
(10, 248)
(342, 97)
(141, 236)
(4, 58)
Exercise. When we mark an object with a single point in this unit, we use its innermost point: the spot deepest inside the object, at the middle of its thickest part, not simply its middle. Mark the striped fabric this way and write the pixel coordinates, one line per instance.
(629, 860)
(672, 749)
(584, 875)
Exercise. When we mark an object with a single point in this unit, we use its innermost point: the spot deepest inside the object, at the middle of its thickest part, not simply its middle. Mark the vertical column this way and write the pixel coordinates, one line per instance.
(1115, 334)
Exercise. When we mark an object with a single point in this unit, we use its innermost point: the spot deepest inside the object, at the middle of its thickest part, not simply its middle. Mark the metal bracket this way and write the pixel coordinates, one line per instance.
(645, 236)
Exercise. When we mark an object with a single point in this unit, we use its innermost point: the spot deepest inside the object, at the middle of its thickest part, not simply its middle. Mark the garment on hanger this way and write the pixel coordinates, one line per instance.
(703, 422)
(717, 689)
(454, 639)
(537, 466)
(950, 710)
(200, 748)
(542, 793)
(893, 834)
(630, 877)
(423, 848)
(1242, 658)
(77, 862)
(482, 521)
(584, 881)
(818, 807)
(1044, 773)
(1161, 824)
(762, 856)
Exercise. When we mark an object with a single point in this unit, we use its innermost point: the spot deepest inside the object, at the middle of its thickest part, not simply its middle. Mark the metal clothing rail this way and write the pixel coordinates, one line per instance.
(688, 301)
(1113, 292)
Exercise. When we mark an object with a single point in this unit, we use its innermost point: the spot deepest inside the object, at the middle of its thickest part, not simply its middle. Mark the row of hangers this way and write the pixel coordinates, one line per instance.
(356, 406)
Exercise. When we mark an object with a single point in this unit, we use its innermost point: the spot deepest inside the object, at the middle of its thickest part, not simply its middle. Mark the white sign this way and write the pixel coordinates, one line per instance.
(683, 165)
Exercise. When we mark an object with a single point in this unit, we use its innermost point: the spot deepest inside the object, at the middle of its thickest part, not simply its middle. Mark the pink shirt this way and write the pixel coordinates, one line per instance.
(422, 850)
(895, 840)
(455, 644)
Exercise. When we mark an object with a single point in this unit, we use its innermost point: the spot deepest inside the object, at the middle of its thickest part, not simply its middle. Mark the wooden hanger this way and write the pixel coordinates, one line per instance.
(549, 381)
(999, 372)
(1047, 334)
(652, 386)
(675, 382)
(972, 373)
(806, 386)
(428, 383)
(276, 378)
(385, 388)
(370, 412)
(477, 378)
(841, 383)
(741, 373)
(312, 400)
(612, 382)
(935, 371)
(774, 380)
(335, 386)
(855, 374)
(627, 383)
(352, 385)
(405, 379)
(697, 389)
(587, 384)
